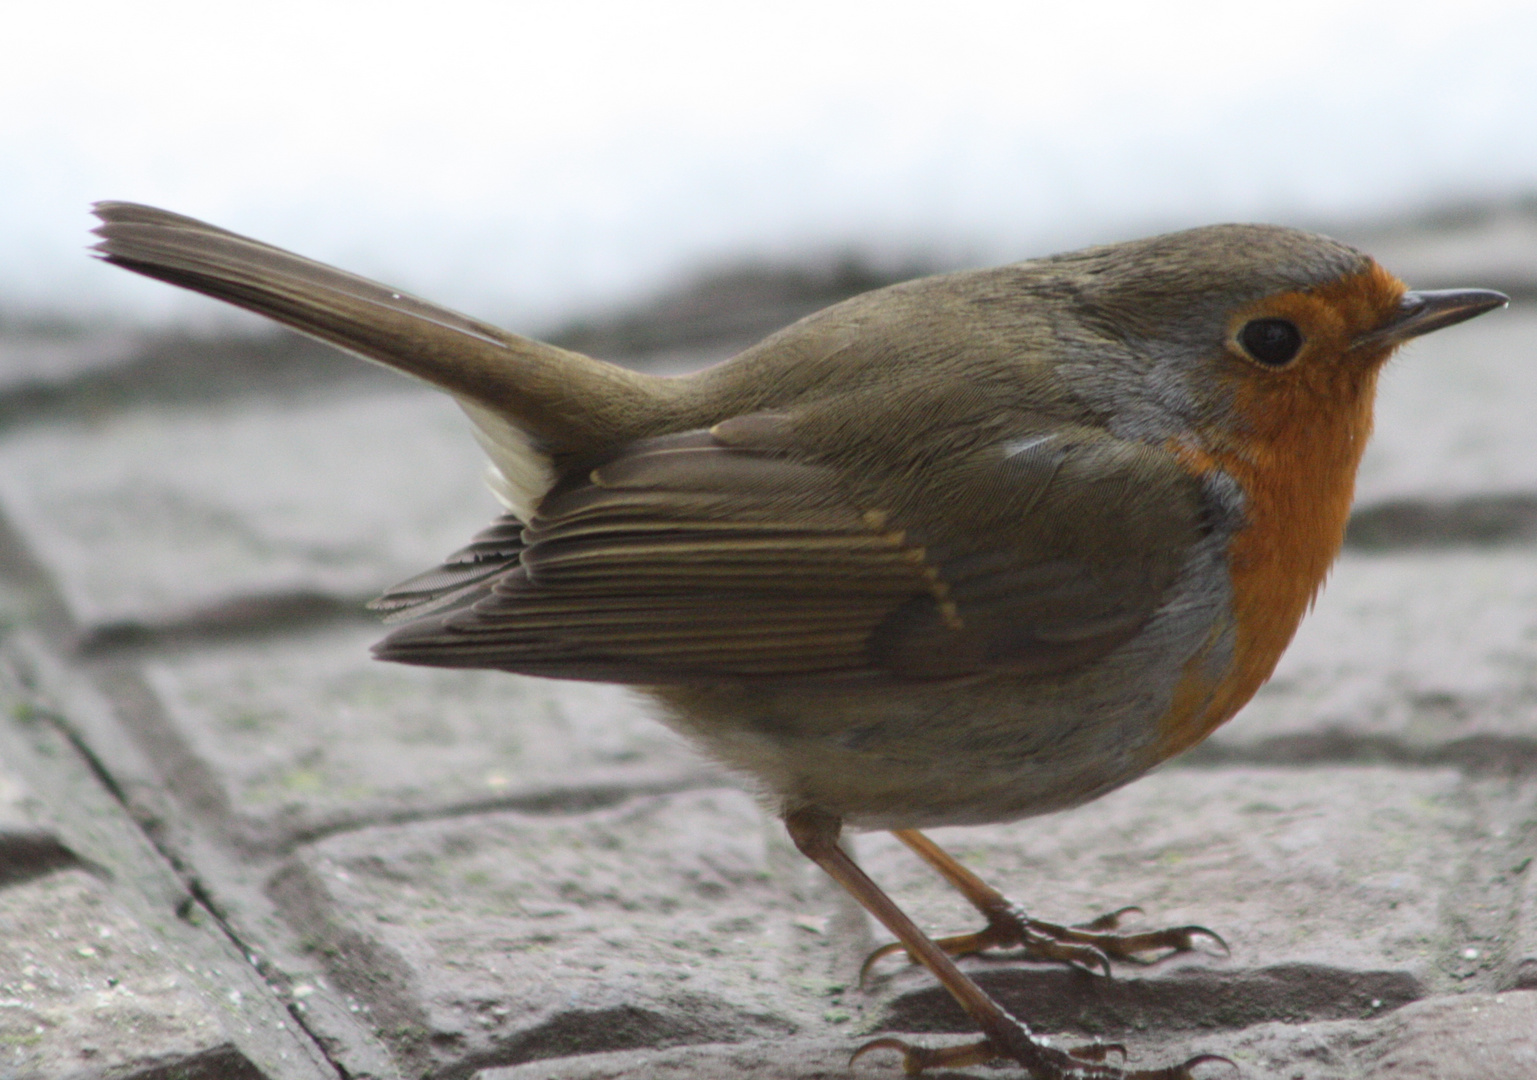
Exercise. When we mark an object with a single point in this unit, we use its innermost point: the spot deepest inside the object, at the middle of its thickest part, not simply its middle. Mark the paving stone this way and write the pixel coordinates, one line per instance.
(307, 732)
(85, 989)
(1471, 1037)
(1263, 1052)
(149, 514)
(1454, 413)
(28, 847)
(1407, 656)
(84, 992)
(669, 920)
(507, 937)
(85, 899)
(1523, 969)
(1341, 891)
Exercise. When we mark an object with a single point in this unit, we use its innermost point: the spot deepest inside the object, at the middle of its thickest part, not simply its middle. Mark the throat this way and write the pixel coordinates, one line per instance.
(1298, 478)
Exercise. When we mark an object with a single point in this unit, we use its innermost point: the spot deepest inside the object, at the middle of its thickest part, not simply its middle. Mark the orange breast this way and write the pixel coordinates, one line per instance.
(1294, 452)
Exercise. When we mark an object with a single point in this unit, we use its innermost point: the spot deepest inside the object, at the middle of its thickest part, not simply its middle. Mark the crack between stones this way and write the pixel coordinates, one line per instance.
(18, 564)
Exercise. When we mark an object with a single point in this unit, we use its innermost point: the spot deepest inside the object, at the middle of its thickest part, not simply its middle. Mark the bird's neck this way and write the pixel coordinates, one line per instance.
(1296, 462)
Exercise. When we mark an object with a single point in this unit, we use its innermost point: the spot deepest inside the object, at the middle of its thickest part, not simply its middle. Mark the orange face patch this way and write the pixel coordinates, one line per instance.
(1331, 318)
(1298, 437)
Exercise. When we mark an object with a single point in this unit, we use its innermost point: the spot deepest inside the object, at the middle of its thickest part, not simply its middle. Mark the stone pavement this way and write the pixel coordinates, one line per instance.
(232, 846)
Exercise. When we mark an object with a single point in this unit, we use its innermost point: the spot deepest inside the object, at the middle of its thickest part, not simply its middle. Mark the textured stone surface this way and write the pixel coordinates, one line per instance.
(29, 847)
(104, 903)
(670, 919)
(1454, 412)
(307, 730)
(149, 514)
(1475, 1037)
(1407, 656)
(1247, 852)
(1471, 1037)
(85, 992)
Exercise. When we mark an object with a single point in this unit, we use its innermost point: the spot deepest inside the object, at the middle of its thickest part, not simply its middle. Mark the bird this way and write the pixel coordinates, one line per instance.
(965, 549)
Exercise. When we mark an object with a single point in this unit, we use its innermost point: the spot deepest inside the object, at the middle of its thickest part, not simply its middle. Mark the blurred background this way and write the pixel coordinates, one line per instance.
(543, 165)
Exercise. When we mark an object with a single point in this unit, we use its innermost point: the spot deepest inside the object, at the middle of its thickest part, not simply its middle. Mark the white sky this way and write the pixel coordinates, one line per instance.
(528, 160)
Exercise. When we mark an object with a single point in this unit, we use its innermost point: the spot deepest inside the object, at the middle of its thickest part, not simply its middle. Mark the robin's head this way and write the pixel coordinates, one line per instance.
(1241, 326)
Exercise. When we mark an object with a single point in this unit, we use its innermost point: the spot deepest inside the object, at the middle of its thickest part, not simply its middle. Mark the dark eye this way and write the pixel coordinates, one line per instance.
(1271, 341)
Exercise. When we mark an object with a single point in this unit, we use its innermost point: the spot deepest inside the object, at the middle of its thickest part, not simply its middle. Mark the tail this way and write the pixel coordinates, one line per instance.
(529, 400)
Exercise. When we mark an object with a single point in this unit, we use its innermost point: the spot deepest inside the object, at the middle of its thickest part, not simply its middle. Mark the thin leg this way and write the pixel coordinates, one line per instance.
(816, 834)
(1088, 945)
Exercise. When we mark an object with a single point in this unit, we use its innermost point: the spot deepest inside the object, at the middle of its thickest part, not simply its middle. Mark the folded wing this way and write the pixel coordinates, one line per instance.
(688, 558)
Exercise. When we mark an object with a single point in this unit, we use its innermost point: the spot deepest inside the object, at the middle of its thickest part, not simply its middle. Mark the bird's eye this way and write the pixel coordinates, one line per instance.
(1271, 341)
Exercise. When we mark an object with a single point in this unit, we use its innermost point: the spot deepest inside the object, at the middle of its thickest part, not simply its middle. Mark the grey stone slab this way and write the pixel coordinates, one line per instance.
(148, 514)
(1523, 968)
(1520, 864)
(1465, 1037)
(1454, 413)
(307, 732)
(30, 845)
(1407, 656)
(487, 941)
(506, 938)
(1337, 888)
(106, 873)
(1265, 1051)
(1470, 1037)
(85, 992)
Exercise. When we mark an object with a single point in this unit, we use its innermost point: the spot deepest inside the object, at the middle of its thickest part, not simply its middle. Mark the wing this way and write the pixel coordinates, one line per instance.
(465, 575)
(724, 555)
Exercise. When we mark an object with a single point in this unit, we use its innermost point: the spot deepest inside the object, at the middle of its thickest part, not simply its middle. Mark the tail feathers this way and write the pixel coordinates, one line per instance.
(560, 400)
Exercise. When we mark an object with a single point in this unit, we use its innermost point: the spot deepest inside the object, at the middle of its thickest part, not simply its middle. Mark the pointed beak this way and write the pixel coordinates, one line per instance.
(1421, 312)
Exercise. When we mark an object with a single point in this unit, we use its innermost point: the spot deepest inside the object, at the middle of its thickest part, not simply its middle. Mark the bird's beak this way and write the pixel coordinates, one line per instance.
(1421, 312)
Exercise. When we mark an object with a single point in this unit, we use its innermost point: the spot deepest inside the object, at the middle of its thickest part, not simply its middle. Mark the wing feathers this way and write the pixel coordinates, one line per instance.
(684, 558)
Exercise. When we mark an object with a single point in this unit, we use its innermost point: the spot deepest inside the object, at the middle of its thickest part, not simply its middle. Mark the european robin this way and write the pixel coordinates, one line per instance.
(965, 549)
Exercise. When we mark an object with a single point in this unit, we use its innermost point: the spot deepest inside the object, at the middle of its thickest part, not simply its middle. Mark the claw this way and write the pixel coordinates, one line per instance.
(1110, 920)
(1084, 957)
(1182, 1071)
(917, 1058)
(1097, 1051)
(879, 955)
(888, 1043)
(1041, 941)
(1201, 931)
(1176, 939)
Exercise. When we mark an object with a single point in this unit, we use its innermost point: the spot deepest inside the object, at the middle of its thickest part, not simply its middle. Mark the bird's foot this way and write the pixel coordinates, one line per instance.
(1044, 1061)
(1089, 945)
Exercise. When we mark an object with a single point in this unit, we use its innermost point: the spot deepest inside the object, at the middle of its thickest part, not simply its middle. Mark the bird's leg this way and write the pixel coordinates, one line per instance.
(816, 834)
(1089, 945)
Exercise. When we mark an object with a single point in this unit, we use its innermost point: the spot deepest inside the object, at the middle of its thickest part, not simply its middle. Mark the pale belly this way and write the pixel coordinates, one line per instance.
(989, 749)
